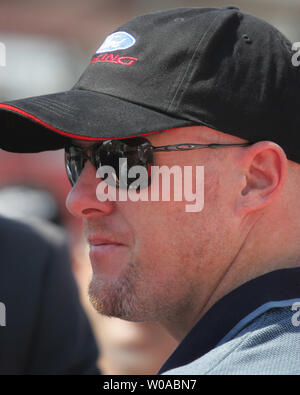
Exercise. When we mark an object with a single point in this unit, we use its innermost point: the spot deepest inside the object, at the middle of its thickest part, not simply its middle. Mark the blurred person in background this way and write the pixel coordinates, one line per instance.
(46, 330)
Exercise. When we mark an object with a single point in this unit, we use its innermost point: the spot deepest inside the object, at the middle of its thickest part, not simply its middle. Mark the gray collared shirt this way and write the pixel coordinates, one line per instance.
(253, 330)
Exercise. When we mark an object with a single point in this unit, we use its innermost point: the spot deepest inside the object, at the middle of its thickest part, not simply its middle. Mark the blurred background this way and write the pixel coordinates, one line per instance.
(48, 43)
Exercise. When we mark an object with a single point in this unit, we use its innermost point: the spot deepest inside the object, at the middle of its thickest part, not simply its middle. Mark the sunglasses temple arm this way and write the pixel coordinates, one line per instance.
(189, 147)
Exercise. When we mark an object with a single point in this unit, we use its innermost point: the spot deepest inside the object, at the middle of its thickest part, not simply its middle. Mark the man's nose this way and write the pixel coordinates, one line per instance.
(82, 199)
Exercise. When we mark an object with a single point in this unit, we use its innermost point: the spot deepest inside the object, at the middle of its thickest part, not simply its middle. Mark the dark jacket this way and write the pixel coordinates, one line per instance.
(46, 330)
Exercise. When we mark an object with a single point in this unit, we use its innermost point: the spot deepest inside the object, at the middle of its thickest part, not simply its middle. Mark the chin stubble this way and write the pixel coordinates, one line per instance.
(117, 298)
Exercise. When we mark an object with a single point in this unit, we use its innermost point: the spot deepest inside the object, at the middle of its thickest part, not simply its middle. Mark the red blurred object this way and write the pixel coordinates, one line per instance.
(43, 170)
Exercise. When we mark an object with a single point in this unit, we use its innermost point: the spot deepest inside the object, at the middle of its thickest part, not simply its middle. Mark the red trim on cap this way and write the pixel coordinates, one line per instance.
(74, 136)
(34, 118)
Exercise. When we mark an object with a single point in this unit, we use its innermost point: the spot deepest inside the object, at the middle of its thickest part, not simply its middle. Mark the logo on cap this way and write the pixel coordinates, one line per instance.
(117, 41)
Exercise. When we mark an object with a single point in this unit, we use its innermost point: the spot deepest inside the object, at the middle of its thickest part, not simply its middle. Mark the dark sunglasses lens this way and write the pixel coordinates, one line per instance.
(115, 159)
(74, 161)
(122, 156)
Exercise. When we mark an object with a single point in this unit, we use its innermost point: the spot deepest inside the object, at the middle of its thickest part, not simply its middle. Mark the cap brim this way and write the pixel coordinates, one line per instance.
(48, 122)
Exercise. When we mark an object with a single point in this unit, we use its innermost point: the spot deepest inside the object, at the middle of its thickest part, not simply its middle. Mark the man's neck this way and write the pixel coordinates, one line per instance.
(237, 273)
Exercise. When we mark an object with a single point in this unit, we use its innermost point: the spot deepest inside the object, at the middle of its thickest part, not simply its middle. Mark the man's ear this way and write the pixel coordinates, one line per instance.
(264, 166)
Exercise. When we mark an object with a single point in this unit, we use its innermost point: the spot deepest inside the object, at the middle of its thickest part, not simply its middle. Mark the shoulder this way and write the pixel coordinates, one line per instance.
(31, 253)
(268, 345)
(29, 243)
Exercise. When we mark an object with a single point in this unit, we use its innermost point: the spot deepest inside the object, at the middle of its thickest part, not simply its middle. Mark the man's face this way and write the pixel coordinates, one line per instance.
(153, 260)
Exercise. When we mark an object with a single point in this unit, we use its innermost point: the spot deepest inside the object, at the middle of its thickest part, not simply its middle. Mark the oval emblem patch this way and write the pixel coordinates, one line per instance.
(117, 41)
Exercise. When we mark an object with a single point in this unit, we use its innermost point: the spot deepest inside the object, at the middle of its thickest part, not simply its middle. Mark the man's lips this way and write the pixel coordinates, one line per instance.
(106, 255)
(99, 241)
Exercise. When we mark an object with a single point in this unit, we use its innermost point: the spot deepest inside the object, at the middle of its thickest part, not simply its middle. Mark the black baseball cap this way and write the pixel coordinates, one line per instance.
(217, 67)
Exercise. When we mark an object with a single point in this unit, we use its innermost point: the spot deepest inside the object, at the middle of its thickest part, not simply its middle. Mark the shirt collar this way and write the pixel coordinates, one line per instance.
(278, 286)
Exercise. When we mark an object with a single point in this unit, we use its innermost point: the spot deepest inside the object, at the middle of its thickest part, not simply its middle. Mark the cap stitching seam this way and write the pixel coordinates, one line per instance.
(134, 103)
(190, 64)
